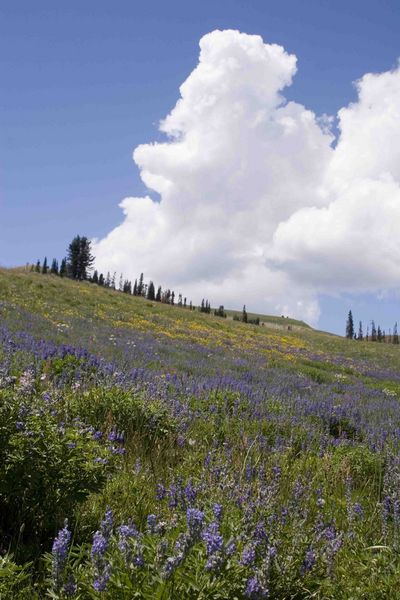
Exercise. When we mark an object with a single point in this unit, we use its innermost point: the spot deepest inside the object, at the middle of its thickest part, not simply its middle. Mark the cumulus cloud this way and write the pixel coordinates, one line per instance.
(252, 203)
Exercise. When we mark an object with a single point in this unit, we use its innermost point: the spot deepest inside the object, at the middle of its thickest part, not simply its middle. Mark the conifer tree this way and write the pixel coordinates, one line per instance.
(63, 267)
(135, 288)
(360, 336)
(140, 285)
(373, 332)
(37, 268)
(151, 293)
(172, 297)
(80, 258)
(379, 334)
(45, 268)
(54, 267)
(101, 279)
(395, 337)
(244, 314)
(350, 326)
(184, 303)
(159, 294)
(95, 277)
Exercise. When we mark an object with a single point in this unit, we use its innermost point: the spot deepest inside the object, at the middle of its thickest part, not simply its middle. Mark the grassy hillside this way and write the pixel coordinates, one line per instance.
(193, 456)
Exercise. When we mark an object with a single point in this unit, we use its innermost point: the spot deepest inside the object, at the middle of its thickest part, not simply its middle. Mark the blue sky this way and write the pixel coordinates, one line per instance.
(84, 83)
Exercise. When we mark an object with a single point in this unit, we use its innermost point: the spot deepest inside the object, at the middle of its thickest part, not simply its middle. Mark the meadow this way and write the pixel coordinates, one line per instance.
(152, 452)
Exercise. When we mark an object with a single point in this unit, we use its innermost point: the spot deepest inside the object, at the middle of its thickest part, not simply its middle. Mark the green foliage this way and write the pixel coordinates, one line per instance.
(48, 465)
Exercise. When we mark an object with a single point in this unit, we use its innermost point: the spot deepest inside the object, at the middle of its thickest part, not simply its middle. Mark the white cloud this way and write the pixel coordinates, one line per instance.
(255, 206)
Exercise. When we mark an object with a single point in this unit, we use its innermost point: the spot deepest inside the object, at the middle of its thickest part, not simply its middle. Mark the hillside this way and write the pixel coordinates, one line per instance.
(230, 460)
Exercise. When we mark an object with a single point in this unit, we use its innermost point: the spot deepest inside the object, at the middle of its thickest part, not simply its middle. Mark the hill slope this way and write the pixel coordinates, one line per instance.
(234, 461)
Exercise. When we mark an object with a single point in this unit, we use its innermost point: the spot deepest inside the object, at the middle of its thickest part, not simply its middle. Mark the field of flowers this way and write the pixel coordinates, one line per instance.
(151, 452)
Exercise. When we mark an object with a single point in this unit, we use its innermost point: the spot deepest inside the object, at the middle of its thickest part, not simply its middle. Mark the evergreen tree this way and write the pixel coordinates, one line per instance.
(202, 308)
(244, 314)
(395, 337)
(220, 312)
(373, 332)
(79, 258)
(135, 288)
(63, 267)
(184, 303)
(190, 305)
(180, 302)
(159, 294)
(45, 268)
(360, 336)
(350, 326)
(121, 284)
(140, 285)
(379, 334)
(172, 297)
(54, 267)
(95, 278)
(37, 268)
(151, 292)
(112, 284)
(101, 279)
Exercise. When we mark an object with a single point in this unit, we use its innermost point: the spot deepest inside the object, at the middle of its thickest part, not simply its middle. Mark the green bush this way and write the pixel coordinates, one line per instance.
(47, 467)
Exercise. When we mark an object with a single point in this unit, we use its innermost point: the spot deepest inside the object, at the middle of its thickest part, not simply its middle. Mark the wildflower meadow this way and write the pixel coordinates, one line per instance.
(148, 452)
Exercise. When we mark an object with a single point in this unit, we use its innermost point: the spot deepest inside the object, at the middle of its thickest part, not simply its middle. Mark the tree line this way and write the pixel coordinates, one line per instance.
(78, 265)
(373, 334)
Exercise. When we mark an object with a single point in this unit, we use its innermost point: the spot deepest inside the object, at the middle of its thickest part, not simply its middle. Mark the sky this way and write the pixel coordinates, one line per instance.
(249, 169)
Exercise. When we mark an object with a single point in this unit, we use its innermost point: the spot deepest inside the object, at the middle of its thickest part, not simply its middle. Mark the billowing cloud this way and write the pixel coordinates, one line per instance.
(252, 203)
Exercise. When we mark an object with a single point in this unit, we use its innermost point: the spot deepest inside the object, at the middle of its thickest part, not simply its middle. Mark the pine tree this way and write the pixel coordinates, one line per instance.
(140, 285)
(373, 332)
(37, 268)
(184, 303)
(190, 305)
(350, 326)
(244, 314)
(45, 268)
(79, 258)
(159, 294)
(63, 267)
(95, 278)
(395, 338)
(101, 279)
(172, 297)
(180, 302)
(151, 293)
(360, 336)
(54, 267)
(135, 288)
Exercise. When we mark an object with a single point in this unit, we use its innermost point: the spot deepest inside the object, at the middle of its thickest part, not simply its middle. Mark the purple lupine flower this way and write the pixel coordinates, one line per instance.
(195, 520)
(217, 510)
(59, 553)
(190, 492)
(255, 590)
(101, 579)
(230, 548)
(152, 523)
(213, 539)
(99, 546)
(70, 588)
(97, 435)
(309, 561)
(160, 491)
(358, 510)
(248, 556)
